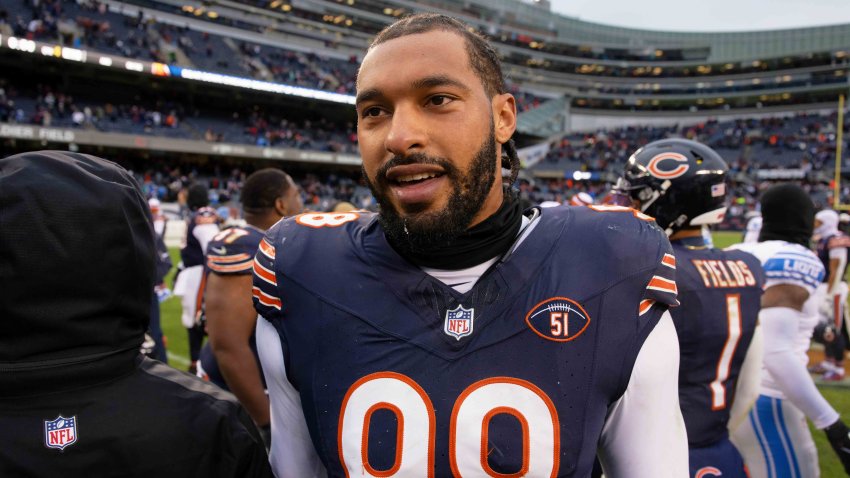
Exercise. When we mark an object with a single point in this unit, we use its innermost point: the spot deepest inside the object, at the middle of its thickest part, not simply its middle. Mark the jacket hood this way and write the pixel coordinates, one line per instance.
(76, 260)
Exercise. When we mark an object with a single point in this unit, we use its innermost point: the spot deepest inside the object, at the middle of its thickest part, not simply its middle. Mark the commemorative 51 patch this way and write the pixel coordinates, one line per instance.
(558, 319)
(60, 432)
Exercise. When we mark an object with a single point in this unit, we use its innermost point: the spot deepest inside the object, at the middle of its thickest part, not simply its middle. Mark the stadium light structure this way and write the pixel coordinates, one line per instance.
(75, 55)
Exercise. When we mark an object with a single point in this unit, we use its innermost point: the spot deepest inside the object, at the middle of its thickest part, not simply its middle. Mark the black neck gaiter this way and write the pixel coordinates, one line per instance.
(490, 238)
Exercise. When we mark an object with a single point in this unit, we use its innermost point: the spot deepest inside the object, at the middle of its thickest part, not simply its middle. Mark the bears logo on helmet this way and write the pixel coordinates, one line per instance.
(677, 181)
(654, 166)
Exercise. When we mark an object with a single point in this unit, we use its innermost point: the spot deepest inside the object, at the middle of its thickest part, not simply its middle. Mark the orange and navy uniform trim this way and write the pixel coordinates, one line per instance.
(266, 295)
(661, 288)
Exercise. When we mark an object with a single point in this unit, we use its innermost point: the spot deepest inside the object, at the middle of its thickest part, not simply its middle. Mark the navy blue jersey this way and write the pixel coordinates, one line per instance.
(231, 252)
(720, 294)
(395, 368)
(192, 254)
(827, 243)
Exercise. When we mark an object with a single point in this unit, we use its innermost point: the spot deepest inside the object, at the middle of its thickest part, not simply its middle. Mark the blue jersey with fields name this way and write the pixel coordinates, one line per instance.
(720, 295)
(399, 373)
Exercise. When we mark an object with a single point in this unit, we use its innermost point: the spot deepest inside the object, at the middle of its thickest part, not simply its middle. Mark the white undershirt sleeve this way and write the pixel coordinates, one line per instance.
(204, 234)
(838, 253)
(644, 435)
(292, 453)
(749, 380)
(780, 325)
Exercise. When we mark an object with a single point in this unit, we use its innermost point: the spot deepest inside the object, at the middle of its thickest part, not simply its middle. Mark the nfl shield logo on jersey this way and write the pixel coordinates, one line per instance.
(60, 432)
(459, 322)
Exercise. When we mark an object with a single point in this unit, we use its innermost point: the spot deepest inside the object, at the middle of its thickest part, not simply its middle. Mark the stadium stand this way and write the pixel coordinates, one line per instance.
(94, 26)
(584, 89)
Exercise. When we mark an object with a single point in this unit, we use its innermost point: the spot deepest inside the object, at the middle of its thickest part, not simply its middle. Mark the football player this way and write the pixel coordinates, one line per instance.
(775, 440)
(202, 226)
(682, 184)
(229, 358)
(452, 334)
(160, 221)
(832, 245)
(160, 290)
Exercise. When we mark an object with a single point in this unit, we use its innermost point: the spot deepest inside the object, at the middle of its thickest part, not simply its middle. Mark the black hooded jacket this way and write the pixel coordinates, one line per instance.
(77, 262)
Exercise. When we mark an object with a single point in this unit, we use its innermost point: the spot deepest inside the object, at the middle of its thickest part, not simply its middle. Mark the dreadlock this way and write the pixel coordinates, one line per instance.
(510, 160)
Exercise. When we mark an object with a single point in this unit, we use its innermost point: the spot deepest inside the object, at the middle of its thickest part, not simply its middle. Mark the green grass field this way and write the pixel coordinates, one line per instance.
(839, 397)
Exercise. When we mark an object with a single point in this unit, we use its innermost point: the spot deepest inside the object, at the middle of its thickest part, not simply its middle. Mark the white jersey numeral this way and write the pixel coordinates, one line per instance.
(470, 422)
(482, 401)
(415, 415)
(733, 321)
(320, 220)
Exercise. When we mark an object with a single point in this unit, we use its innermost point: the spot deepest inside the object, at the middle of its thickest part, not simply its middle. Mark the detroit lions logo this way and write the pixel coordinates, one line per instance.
(558, 319)
(459, 322)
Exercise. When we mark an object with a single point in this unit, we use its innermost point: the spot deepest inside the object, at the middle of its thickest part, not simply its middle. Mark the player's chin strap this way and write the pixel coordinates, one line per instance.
(662, 190)
(657, 193)
(510, 153)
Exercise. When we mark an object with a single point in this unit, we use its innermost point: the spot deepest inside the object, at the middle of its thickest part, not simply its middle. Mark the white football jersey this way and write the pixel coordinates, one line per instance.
(792, 264)
(753, 230)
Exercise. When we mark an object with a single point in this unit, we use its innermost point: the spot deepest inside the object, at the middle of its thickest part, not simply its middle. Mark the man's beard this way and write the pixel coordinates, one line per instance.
(421, 231)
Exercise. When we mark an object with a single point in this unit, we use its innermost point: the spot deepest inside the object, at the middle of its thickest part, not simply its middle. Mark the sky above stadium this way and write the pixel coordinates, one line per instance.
(715, 15)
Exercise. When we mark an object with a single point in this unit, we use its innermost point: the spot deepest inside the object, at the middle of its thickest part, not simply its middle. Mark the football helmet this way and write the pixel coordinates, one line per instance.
(581, 199)
(677, 181)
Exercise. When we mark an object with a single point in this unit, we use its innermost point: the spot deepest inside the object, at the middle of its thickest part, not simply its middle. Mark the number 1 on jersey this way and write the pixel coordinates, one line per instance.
(733, 324)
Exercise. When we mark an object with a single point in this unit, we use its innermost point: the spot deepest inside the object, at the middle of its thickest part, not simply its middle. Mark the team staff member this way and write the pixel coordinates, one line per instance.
(776, 441)
(203, 225)
(76, 397)
(230, 357)
(682, 184)
(451, 334)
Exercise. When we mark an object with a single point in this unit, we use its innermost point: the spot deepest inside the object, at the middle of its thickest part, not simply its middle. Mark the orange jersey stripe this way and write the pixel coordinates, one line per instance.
(662, 284)
(266, 299)
(645, 305)
(669, 261)
(228, 259)
(267, 249)
(264, 273)
(245, 266)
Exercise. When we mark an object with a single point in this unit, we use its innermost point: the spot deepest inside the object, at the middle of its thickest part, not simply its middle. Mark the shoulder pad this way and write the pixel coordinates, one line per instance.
(232, 250)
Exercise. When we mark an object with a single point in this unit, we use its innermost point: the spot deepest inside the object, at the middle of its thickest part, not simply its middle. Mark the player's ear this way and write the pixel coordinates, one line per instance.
(504, 116)
(280, 206)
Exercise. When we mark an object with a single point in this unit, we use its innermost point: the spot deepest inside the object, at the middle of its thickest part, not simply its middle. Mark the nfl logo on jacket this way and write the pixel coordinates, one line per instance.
(60, 432)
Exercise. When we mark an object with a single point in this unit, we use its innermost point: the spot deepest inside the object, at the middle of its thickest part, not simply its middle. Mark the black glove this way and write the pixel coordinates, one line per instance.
(839, 437)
